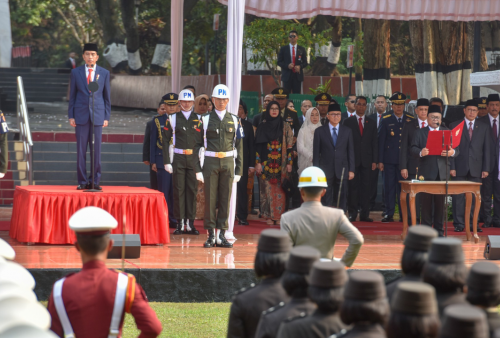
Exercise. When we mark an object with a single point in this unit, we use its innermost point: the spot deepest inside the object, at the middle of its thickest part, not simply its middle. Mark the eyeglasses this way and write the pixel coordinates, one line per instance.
(292, 36)
(435, 117)
(352, 101)
(335, 114)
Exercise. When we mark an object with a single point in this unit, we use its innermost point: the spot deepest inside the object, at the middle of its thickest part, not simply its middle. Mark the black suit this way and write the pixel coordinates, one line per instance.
(432, 168)
(491, 184)
(291, 80)
(365, 153)
(331, 159)
(153, 181)
(68, 64)
(248, 161)
(345, 116)
(474, 158)
(375, 173)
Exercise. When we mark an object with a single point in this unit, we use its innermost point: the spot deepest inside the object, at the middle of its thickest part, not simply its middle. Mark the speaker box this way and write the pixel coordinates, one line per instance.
(132, 246)
(492, 248)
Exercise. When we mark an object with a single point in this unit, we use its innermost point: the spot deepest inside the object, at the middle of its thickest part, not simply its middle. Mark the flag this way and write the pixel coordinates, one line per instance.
(456, 135)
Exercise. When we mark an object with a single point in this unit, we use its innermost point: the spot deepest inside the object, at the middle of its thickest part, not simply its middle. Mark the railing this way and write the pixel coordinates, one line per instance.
(24, 130)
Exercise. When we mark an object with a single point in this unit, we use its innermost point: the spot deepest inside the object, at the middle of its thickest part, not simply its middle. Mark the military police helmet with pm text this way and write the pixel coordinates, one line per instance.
(312, 177)
(186, 95)
(221, 92)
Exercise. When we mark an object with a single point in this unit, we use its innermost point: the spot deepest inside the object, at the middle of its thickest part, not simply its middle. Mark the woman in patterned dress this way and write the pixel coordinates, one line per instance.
(273, 143)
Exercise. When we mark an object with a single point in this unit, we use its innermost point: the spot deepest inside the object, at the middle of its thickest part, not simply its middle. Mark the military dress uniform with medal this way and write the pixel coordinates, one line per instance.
(180, 135)
(4, 149)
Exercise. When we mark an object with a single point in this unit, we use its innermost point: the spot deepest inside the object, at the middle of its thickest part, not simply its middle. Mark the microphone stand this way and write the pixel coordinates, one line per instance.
(446, 187)
(93, 87)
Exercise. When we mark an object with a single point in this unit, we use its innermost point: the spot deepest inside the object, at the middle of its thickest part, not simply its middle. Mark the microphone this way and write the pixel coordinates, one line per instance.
(437, 124)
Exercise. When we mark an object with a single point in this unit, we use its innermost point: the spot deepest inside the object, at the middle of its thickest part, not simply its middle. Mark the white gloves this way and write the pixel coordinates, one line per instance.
(2, 175)
(199, 177)
(236, 178)
(168, 168)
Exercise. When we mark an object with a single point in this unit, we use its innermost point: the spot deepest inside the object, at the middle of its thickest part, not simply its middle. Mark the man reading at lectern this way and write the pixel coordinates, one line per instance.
(432, 168)
(80, 113)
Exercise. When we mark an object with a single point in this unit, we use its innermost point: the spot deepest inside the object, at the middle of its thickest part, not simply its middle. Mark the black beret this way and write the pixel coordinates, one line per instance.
(464, 321)
(423, 102)
(90, 47)
(170, 99)
(471, 103)
(481, 102)
(365, 285)
(280, 93)
(274, 241)
(302, 259)
(334, 107)
(328, 275)
(398, 98)
(485, 275)
(415, 298)
(446, 251)
(420, 237)
(323, 98)
(493, 97)
(433, 108)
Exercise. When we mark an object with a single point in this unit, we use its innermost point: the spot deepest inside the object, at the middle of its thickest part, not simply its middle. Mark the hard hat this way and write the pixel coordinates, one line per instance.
(6, 250)
(26, 331)
(11, 272)
(186, 95)
(221, 92)
(92, 220)
(18, 311)
(312, 177)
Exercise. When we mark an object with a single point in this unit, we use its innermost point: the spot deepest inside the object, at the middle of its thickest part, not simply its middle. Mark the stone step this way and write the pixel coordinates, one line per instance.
(61, 166)
(135, 148)
(105, 157)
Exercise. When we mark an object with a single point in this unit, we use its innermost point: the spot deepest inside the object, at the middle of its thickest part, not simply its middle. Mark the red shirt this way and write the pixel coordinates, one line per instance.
(89, 297)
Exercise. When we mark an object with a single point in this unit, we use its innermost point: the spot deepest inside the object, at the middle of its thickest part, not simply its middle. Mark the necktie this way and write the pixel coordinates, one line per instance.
(73, 63)
(470, 130)
(334, 136)
(379, 119)
(495, 131)
(90, 75)
(293, 58)
(423, 124)
(361, 126)
(399, 120)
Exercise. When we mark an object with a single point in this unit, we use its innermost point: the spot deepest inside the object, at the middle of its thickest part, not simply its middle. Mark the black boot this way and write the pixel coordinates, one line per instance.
(222, 241)
(193, 229)
(178, 230)
(210, 240)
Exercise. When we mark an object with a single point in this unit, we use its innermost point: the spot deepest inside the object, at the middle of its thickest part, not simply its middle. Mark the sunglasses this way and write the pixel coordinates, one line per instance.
(352, 101)
(292, 36)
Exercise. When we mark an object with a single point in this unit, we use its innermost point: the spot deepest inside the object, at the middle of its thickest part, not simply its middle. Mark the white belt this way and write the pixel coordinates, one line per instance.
(183, 151)
(221, 154)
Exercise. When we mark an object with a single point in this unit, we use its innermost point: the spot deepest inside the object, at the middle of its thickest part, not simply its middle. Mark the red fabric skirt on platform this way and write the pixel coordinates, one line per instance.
(41, 213)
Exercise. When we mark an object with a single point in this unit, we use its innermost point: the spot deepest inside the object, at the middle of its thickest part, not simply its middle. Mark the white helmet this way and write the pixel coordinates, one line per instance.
(186, 95)
(312, 177)
(220, 91)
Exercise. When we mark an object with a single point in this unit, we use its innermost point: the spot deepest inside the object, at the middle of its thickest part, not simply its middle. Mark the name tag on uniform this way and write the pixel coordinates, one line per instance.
(4, 127)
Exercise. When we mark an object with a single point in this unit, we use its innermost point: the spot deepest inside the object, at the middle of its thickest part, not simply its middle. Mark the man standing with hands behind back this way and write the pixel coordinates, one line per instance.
(292, 59)
(80, 113)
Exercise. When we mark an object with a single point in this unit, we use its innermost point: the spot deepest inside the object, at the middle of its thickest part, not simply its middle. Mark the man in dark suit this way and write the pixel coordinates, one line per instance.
(292, 59)
(491, 184)
(365, 137)
(71, 62)
(80, 112)
(350, 104)
(407, 163)
(146, 152)
(432, 168)
(333, 152)
(473, 162)
(248, 166)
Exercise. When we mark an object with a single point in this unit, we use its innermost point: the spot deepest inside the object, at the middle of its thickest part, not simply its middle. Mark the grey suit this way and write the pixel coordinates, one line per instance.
(318, 226)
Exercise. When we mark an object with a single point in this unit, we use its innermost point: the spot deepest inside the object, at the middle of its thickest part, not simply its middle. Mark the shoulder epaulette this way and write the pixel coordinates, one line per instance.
(274, 308)
(386, 116)
(292, 110)
(410, 116)
(341, 334)
(291, 319)
(240, 291)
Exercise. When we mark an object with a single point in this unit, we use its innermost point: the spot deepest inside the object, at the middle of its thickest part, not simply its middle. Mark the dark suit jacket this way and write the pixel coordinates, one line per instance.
(474, 155)
(285, 58)
(248, 146)
(366, 146)
(69, 64)
(374, 118)
(493, 144)
(146, 151)
(406, 160)
(431, 165)
(344, 117)
(332, 159)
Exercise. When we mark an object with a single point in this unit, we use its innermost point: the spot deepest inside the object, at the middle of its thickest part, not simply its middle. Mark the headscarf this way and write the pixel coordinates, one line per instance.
(270, 128)
(197, 102)
(305, 140)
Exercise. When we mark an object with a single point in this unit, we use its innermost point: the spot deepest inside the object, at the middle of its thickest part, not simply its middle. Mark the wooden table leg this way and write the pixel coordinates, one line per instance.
(468, 203)
(405, 214)
(413, 209)
(477, 205)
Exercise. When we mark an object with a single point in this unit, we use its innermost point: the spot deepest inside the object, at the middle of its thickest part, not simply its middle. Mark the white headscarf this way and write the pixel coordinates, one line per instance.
(305, 140)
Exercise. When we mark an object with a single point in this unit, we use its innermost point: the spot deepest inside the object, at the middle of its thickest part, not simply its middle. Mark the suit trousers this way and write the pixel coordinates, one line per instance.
(427, 202)
(358, 186)
(332, 193)
(153, 180)
(392, 176)
(293, 84)
(185, 188)
(218, 175)
(458, 207)
(84, 141)
(242, 197)
(165, 186)
(491, 187)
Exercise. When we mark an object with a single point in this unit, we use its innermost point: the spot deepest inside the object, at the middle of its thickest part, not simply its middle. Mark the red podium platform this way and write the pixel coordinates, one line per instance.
(40, 213)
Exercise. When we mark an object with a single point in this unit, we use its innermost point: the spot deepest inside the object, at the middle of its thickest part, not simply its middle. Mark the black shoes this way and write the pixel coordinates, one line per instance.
(210, 240)
(242, 222)
(486, 225)
(192, 230)
(366, 219)
(222, 241)
(387, 219)
(88, 186)
(352, 219)
(178, 230)
(459, 230)
(81, 187)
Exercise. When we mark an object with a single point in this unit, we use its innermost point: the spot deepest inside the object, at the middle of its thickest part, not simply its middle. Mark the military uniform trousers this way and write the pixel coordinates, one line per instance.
(185, 186)
(392, 188)
(218, 175)
(165, 186)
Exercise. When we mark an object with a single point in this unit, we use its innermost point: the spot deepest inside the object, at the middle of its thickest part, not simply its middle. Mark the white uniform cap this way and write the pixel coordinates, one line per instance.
(27, 331)
(220, 91)
(8, 290)
(6, 251)
(312, 177)
(186, 95)
(17, 311)
(11, 272)
(92, 219)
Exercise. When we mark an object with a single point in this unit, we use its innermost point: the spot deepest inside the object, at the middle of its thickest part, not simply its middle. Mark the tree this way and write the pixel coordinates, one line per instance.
(327, 65)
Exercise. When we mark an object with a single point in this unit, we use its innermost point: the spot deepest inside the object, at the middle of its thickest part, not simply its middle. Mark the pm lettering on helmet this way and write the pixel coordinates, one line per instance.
(222, 91)
(187, 95)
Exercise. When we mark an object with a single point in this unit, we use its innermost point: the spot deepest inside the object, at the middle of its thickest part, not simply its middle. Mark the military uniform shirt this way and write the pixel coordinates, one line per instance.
(318, 325)
(389, 138)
